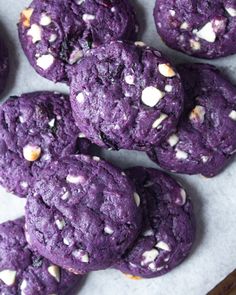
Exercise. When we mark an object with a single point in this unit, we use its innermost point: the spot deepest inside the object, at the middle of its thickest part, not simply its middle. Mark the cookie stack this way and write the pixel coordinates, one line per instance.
(82, 213)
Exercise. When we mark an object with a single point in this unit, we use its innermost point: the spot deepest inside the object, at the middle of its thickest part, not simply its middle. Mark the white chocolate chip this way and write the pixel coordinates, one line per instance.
(137, 199)
(204, 159)
(27, 237)
(167, 258)
(108, 230)
(66, 241)
(153, 267)
(231, 11)
(183, 196)
(168, 88)
(24, 184)
(51, 123)
(31, 152)
(35, 33)
(184, 26)
(80, 97)
(88, 17)
(151, 96)
(172, 12)
(207, 33)
(139, 43)
(75, 179)
(163, 246)
(45, 20)
(149, 256)
(232, 115)
(129, 79)
(60, 224)
(166, 70)
(52, 38)
(158, 121)
(148, 233)
(8, 276)
(79, 1)
(45, 61)
(81, 255)
(181, 155)
(113, 9)
(75, 56)
(97, 159)
(65, 195)
(23, 287)
(82, 135)
(195, 45)
(173, 140)
(54, 271)
(197, 115)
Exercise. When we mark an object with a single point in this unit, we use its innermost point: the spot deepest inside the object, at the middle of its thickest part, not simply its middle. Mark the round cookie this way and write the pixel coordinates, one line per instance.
(35, 128)
(126, 96)
(84, 210)
(200, 28)
(205, 138)
(23, 271)
(168, 228)
(56, 34)
(4, 65)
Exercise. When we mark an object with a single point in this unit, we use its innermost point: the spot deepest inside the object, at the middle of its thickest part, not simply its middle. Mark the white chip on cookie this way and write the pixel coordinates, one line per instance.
(151, 96)
(207, 33)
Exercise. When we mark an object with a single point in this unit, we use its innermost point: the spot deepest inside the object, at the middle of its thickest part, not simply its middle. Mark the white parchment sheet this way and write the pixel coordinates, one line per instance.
(214, 253)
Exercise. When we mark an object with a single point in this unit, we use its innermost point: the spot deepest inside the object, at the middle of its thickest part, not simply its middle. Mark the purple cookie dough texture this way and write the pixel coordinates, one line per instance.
(201, 28)
(55, 34)
(205, 138)
(169, 227)
(35, 129)
(25, 272)
(126, 96)
(84, 210)
(4, 65)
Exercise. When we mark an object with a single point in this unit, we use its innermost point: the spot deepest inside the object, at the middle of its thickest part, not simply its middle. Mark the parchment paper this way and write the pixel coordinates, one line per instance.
(214, 253)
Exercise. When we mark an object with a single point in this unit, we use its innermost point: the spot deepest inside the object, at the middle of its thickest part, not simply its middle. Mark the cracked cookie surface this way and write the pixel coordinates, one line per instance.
(36, 128)
(56, 34)
(126, 96)
(23, 271)
(200, 28)
(205, 138)
(168, 228)
(84, 210)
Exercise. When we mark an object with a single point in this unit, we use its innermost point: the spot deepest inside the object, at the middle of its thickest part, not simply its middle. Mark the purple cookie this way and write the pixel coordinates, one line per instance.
(35, 128)
(201, 28)
(4, 65)
(23, 271)
(126, 96)
(84, 210)
(169, 227)
(205, 138)
(55, 34)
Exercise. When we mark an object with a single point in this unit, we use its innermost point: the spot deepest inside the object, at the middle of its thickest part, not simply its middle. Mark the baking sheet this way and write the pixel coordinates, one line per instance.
(214, 253)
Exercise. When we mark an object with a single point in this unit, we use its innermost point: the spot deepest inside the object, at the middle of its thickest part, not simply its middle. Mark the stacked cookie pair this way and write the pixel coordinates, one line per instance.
(129, 96)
